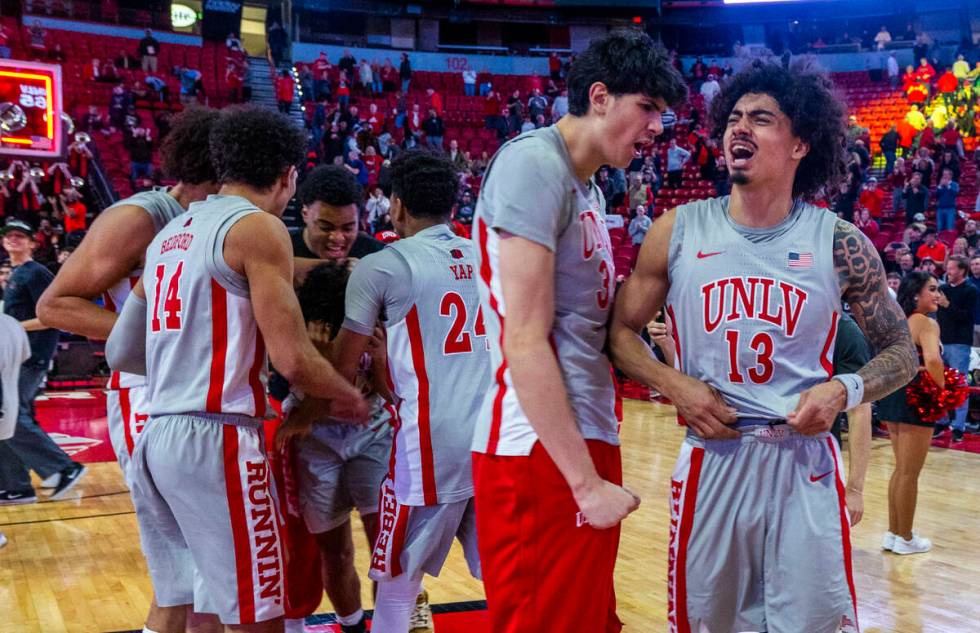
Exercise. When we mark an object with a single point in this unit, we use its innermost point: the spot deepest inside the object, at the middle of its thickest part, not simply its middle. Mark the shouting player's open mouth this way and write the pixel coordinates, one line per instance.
(742, 152)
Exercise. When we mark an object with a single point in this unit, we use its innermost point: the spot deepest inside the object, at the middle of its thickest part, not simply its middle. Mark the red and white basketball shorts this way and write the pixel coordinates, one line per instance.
(209, 524)
(125, 411)
(544, 568)
(416, 540)
(759, 536)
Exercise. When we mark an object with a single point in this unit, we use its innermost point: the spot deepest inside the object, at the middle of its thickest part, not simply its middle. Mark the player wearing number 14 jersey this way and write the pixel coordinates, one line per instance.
(423, 290)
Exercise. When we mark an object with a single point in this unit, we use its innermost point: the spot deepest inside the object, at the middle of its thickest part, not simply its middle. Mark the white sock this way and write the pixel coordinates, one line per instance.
(294, 625)
(352, 619)
(395, 603)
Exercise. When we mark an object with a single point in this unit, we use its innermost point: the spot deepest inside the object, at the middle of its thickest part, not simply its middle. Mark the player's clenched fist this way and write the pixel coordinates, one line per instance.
(702, 408)
(604, 504)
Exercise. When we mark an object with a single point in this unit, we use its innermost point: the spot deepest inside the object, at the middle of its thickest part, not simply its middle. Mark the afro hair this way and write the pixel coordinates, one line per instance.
(255, 146)
(186, 152)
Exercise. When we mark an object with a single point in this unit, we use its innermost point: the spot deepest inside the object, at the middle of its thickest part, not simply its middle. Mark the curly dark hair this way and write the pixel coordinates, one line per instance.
(331, 184)
(627, 61)
(425, 181)
(908, 291)
(321, 297)
(255, 146)
(186, 152)
(816, 113)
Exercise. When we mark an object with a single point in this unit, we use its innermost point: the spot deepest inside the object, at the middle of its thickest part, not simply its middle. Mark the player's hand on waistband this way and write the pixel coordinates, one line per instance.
(604, 504)
(703, 409)
(818, 408)
(349, 405)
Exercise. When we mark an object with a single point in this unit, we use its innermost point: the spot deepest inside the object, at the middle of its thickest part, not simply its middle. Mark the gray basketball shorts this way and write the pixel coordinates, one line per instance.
(209, 526)
(126, 416)
(760, 535)
(340, 467)
(416, 540)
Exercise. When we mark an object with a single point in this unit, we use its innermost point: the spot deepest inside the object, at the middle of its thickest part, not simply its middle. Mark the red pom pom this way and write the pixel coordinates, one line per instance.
(932, 403)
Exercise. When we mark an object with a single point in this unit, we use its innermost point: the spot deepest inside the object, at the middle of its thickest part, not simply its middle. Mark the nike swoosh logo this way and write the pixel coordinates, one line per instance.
(704, 255)
(816, 478)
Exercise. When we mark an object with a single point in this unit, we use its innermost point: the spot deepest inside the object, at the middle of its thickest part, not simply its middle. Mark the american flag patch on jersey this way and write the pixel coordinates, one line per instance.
(800, 260)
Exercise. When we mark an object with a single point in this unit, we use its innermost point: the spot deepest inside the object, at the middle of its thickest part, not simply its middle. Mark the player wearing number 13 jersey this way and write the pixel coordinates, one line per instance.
(423, 290)
(753, 282)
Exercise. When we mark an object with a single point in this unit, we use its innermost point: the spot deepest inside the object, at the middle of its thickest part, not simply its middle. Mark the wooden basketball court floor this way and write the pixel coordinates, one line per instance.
(75, 565)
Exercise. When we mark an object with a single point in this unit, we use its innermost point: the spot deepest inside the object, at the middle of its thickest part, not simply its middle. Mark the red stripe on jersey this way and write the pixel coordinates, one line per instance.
(425, 433)
(828, 363)
(126, 412)
(258, 390)
(677, 350)
(114, 380)
(219, 346)
(687, 521)
(845, 525)
(486, 274)
(239, 526)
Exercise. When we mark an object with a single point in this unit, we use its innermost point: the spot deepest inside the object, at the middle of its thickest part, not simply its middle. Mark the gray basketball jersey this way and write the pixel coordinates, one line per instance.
(755, 311)
(531, 191)
(438, 358)
(162, 208)
(204, 352)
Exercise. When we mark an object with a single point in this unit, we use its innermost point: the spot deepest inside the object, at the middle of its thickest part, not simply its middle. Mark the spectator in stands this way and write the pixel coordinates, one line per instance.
(434, 130)
(882, 38)
(321, 76)
(57, 55)
(891, 65)
(847, 198)
(149, 48)
(284, 91)
(515, 112)
(277, 40)
(699, 72)
(73, 210)
(405, 73)
(889, 148)
(456, 156)
(866, 223)
(677, 157)
(946, 192)
(960, 248)
(38, 40)
(639, 226)
(912, 235)
(554, 66)
(710, 89)
(872, 198)
(119, 102)
(4, 43)
(189, 79)
(916, 196)
(347, 63)
(377, 207)
(366, 77)
(537, 104)
(640, 193)
(931, 248)
(232, 43)
(957, 305)
(559, 107)
(356, 166)
(894, 280)
(389, 76)
(970, 233)
(924, 164)
(140, 146)
(125, 61)
(466, 208)
(343, 91)
(305, 76)
(435, 100)
(948, 160)
(235, 80)
(469, 82)
(93, 70)
(668, 118)
(906, 264)
(109, 74)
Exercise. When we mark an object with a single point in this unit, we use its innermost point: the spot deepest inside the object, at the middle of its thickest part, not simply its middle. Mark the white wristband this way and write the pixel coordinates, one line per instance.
(854, 385)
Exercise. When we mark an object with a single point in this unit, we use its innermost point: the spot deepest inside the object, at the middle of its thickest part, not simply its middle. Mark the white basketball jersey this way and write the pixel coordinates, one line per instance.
(162, 208)
(204, 351)
(755, 311)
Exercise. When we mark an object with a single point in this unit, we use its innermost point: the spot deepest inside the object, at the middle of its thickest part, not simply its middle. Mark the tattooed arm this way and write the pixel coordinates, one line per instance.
(862, 283)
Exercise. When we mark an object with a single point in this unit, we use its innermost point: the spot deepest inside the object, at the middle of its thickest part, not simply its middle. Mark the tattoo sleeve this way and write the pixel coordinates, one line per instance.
(862, 281)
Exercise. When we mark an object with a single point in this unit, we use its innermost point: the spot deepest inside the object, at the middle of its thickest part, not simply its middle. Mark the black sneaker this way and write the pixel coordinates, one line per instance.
(939, 430)
(17, 497)
(957, 435)
(360, 627)
(69, 477)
